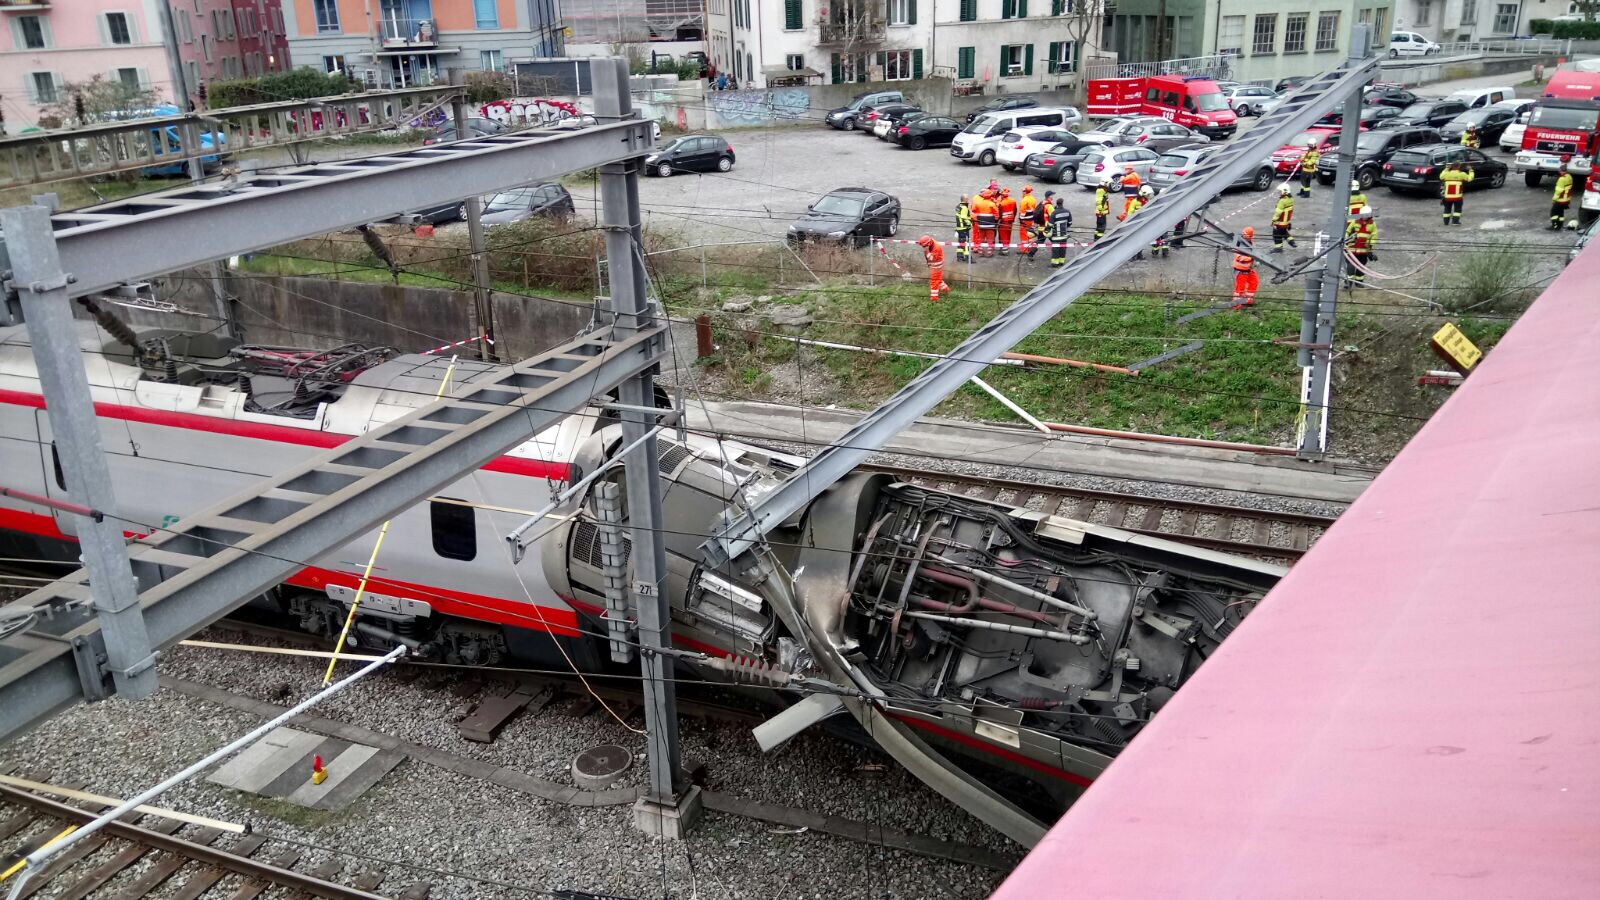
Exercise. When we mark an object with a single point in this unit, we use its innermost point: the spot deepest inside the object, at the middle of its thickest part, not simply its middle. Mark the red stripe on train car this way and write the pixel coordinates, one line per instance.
(261, 431)
(985, 746)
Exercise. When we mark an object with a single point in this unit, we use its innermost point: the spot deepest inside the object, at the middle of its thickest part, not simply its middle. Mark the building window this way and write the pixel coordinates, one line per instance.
(327, 15)
(117, 30)
(1013, 9)
(486, 13)
(455, 529)
(129, 78)
(1016, 60)
(848, 68)
(1230, 40)
(1469, 13)
(205, 46)
(969, 10)
(1505, 18)
(967, 62)
(902, 12)
(43, 86)
(185, 26)
(1425, 12)
(897, 65)
(1265, 41)
(793, 16)
(1294, 32)
(1061, 58)
(1327, 31)
(333, 64)
(491, 60)
(794, 62)
(31, 33)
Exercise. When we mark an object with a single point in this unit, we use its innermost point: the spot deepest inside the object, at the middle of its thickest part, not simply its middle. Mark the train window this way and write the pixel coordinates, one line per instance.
(455, 530)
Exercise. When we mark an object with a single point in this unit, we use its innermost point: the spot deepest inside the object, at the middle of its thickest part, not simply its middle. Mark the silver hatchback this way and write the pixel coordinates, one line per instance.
(1175, 164)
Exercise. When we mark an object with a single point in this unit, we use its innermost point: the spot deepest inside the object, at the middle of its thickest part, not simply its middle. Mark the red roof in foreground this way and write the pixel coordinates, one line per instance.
(1414, 712)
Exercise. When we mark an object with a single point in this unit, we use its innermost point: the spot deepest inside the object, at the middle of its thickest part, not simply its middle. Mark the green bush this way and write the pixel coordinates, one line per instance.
(295, 84)
(1496, 278)
(487, 87)
(1582, 31)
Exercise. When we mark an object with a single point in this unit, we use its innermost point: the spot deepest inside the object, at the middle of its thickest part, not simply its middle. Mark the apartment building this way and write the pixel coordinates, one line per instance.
(399, 43)
(1265, 40)
(49, 44)
(1470, 20)
(987, 45)
(225, 40)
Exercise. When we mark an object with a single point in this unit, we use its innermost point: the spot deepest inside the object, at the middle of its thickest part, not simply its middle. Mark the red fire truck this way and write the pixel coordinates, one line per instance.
(1563, 128)
(1188, 100)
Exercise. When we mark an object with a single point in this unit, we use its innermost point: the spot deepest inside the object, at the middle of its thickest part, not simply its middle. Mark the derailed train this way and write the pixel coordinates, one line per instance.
(1001, 655)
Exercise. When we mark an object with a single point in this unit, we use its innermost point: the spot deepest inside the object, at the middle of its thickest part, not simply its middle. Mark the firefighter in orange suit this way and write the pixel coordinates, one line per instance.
(1245, 279)
(985, 222)
(1008, 220)
(935, 257)
(1025, 208)
(1130, 193)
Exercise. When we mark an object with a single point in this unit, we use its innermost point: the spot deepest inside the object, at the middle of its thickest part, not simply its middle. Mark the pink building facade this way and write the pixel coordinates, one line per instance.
(47, 44)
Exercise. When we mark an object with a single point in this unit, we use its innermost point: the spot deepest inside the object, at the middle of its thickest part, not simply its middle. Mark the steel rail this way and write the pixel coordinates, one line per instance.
(222, 859)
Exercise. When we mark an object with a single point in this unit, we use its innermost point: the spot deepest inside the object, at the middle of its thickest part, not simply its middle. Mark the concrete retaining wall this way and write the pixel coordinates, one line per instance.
(321, 312)
(690, 107)
(1518, 68)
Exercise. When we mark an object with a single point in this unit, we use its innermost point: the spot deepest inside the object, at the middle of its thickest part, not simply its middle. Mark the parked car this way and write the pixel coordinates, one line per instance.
(1490, 122)
(1114, 160)
(1511, 139)
(549, 200)
(477, 126)
(870, 118)
(885, 123)
(1060, 163)
(691, 153)
(921, 132)
(1417, 169)
(1397, 97)
(1176, 163)
(1373, 149)
(1428, 112)
(1001, 104)
(1371, 117)
(1016, 146)
(1290, 83)
(850, 215)
(1286, 159)
(1487, 96)
(980, 140)
(1144, 131)
(845, 117)
(1251, 99)
(1409, 43)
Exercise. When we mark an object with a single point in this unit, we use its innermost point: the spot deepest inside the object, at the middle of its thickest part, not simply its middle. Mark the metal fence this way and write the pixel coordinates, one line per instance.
(1214, 66)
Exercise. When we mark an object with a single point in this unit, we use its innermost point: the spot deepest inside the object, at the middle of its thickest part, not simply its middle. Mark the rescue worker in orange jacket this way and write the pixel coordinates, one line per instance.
(1135, 203)
(1245, 279)
(1361, 236)
(1130, 193)
(1040, 221)
(1453, 182)
(985, 221)
(934, 254)
(1008, 220)
(1025, 208)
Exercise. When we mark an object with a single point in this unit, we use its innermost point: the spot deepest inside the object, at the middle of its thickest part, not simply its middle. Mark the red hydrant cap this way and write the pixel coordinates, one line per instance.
(316, 763)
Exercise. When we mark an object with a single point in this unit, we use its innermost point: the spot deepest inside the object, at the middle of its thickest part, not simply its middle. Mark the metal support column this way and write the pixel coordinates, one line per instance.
(483, 298)
(669, 809)
(169, 42)
(75, 435)
(1322, 288)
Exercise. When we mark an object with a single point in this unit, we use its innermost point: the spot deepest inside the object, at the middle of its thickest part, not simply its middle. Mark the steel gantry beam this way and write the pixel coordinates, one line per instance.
(106, 245)
(211, 564)
(1037, 307)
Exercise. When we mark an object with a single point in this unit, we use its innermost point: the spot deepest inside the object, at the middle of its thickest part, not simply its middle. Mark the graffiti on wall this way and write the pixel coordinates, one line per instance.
(759, 107)
(528, 110)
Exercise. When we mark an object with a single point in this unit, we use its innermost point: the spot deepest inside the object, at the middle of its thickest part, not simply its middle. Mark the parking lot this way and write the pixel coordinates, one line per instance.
(781, 170)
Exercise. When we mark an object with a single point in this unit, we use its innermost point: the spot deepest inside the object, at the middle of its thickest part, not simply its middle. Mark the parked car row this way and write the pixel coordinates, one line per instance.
(545, 200)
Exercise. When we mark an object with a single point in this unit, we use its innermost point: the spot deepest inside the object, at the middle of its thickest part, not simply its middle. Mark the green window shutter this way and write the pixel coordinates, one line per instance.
(1022, 9)
(1057, 7)
(791, 14)
(1002, 69)
(1027, 60)
(1055, 54)
(966, 62)
(1007, 7)
(911, 14)
(916, 64)
(883, 62)
(837, 73)
(969, 10)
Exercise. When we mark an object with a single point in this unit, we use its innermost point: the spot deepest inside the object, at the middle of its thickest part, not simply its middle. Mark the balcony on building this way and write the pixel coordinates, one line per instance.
(407, 24)
(852, 23)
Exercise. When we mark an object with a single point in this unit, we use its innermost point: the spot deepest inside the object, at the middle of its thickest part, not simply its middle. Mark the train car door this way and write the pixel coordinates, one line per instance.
(116, 444)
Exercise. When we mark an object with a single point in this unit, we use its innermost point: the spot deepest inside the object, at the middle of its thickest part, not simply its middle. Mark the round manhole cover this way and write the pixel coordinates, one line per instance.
(599, 767)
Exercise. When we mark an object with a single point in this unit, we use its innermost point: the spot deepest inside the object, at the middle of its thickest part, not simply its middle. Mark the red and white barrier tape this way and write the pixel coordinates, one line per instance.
(984, 245)
(481, 337)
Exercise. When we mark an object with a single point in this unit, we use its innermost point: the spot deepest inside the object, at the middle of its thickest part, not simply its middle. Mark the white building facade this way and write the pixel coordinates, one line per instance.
(1469, 20)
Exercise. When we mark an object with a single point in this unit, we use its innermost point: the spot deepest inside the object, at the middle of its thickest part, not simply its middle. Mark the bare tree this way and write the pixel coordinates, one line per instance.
(98, 99)
(1082, 20)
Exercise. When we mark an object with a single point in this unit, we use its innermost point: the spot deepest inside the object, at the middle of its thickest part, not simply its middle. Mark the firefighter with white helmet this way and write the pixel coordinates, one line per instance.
(1282, 220)
(1308, 166)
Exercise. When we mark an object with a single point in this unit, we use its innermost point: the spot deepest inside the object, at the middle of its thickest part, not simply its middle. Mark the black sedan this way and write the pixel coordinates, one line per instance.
(851, 215)
(1373, 149)
(1397, 97)
(691, 153)
(1371, 116)
(1416, 170)
(1433, 113)
(921, 132)
(1490, 122)
(548, 200)
(1001, 104)
(1059, 163)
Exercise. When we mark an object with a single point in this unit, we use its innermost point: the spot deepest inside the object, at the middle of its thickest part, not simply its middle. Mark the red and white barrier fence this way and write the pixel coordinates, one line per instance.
(481, 337)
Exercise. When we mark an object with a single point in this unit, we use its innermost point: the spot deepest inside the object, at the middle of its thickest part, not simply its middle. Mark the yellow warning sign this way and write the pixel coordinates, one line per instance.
(1455, 348)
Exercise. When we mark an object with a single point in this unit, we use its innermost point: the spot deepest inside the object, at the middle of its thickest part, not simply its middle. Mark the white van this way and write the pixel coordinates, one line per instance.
(980, 140)
(1476, 97)
(1409, 43)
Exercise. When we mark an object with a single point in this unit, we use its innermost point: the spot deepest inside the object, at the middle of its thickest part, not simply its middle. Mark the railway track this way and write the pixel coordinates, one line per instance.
(152, 856)
(1281, 536)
